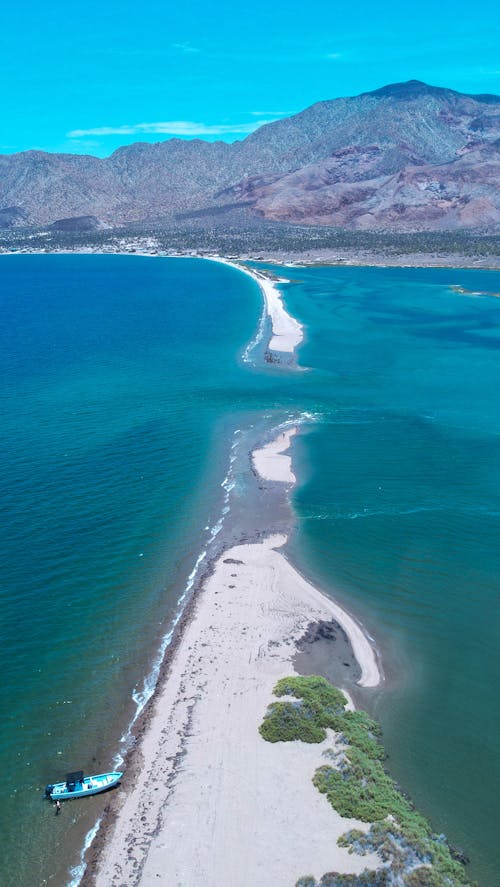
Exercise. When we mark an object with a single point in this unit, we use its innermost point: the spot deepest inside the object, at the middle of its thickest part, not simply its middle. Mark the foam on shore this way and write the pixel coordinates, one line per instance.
(214, 803)
(287, 332)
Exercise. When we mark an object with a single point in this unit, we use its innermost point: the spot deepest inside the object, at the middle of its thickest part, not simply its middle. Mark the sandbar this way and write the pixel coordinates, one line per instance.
(287, 332)
(271, 463)
(212, 802)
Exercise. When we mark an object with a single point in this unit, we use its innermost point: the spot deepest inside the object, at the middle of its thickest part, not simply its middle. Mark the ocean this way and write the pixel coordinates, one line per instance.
(127, 383)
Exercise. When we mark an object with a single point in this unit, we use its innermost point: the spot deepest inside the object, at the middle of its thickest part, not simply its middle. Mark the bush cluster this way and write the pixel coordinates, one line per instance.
(359, 787)
(315, 706)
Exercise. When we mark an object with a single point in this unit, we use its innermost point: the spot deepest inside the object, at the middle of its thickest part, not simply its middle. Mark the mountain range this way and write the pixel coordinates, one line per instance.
(407, 157)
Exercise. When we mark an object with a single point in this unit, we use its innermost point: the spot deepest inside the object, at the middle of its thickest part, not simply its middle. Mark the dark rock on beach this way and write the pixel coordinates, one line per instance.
(325, 650)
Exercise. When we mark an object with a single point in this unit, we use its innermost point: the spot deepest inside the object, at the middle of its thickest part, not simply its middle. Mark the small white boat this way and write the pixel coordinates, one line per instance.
(79, 786)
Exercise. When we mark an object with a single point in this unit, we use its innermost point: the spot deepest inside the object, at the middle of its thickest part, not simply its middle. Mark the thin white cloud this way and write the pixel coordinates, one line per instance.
(334, 56)
(186, 47)
(273, 114)
(170, 127)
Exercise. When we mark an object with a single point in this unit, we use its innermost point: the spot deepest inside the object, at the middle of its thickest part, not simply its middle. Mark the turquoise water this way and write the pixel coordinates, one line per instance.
(118, 377)
(400, 509)
(122, 389)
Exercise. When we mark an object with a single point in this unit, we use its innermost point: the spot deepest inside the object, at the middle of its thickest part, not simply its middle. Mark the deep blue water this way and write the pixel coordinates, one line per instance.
(122, 386)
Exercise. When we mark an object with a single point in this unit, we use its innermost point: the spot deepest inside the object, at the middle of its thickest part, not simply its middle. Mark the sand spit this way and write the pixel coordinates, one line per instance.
(270, 464)
(269, 461)
(286, 330)
(214, 803)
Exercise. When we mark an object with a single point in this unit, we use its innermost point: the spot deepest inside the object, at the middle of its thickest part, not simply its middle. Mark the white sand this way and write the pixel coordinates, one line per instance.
(269, 461)
(271, 464)
(287, 332)
(216, 804)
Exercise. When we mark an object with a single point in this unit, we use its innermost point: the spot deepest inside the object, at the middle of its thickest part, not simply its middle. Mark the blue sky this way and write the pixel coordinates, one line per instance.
(89, 77)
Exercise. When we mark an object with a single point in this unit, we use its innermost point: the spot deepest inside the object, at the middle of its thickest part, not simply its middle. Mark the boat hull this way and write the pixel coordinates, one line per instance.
(90, 785)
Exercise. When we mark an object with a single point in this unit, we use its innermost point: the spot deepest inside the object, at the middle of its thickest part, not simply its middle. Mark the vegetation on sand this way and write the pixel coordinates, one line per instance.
(358, 786)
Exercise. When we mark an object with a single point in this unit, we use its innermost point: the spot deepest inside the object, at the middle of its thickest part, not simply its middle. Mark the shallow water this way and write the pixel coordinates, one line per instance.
(400, 509)
(121, 381)
(124, 399)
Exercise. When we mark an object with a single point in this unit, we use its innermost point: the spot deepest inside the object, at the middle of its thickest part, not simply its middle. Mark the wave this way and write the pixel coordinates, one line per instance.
(401, 512)
(141, 697)
(258, 338)
(370, 415)
(78, 871)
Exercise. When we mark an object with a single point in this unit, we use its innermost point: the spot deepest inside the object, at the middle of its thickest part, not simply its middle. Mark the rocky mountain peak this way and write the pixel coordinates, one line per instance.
(409, 156)
(410, 89)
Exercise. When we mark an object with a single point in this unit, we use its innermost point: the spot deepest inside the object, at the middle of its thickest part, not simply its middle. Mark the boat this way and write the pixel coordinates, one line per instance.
(77, 785)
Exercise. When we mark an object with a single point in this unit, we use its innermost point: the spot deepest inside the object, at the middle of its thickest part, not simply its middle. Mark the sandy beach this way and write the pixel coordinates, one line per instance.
(271, 463)
(213, 802)
(287, 332)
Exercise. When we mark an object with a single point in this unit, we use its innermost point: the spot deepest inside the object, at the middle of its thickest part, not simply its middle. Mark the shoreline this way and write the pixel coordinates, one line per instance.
(287, 332)
(141, 724)
(288, 258)
(216, 682)
(269, 463)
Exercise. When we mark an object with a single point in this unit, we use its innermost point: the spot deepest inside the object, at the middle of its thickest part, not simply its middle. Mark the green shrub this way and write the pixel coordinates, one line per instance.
(286, 721)
(423, 877)
(367, 878)
(358, 787)
(425, 862)
(317, 705)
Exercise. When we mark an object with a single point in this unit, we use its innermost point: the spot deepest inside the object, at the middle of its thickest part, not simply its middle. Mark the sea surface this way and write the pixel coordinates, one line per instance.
(131, 388)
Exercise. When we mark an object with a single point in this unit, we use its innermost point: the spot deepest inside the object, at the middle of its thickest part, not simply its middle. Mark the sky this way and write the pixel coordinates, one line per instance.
(86, 78)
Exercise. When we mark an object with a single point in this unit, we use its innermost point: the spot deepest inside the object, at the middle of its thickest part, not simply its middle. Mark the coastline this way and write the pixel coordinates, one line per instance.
(287, 332)
(173, 698)
(142, 724)
(284, 257)
(200, 738)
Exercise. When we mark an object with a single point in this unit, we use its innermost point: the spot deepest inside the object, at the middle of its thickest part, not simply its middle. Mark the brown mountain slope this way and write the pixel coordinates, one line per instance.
(406, 157)
(350, 189)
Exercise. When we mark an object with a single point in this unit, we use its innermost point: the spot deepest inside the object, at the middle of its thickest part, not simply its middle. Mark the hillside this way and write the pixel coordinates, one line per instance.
(407, 157)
